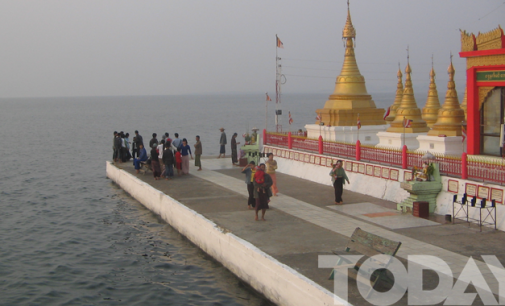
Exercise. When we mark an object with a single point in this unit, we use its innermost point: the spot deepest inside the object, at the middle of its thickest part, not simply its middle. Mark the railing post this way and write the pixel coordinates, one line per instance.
(404, 157)
(464, 166)
(358, 150)
(290, 141)
(264, 136)
(320, 144)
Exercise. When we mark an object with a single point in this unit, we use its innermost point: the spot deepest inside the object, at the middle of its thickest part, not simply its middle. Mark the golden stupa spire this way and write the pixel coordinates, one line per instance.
(430, 110)
(450, 116)
(398, 97)
(408, 109)
(350, 81)
(350, 96)
(463, 104)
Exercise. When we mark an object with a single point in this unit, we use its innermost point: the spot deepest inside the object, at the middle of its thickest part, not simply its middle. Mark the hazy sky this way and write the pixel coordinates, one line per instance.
(106, 47)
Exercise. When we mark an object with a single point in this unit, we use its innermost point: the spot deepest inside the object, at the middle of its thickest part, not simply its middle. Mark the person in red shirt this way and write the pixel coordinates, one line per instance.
(178, 161)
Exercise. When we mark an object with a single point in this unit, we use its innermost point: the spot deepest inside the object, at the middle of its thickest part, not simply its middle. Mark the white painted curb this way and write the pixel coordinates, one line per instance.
(278, 282)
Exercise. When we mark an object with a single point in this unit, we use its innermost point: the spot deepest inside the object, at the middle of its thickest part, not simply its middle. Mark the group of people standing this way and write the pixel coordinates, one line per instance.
(164, 154)
(261, 185)
(121, 147)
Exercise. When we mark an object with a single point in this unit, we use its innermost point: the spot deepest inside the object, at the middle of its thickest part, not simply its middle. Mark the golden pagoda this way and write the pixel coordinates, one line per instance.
(408, 110)
(430, 110)
(463, 104)
(450, 116)
(398, 97)
(350, 96)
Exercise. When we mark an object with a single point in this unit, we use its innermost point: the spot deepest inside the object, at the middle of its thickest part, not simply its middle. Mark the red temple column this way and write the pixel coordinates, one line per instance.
(320, 144)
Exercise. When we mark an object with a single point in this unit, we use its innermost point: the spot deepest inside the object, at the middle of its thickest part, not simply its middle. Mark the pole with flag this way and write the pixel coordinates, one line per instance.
(290, 120)
(318, 118)
(406, 124)
(358, 124)
(278, 77)
(266, 110)
(388, 111)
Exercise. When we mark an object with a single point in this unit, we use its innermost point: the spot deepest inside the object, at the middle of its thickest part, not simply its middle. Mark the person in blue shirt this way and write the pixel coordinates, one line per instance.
(142, 157)
(185, 153)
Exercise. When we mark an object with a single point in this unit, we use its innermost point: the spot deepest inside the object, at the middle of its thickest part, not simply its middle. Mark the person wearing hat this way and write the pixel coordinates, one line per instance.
(234, 155)
(222, 143)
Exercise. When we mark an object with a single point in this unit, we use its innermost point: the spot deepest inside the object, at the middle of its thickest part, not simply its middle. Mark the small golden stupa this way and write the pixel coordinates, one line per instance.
(430, 110)
(450, 116)
(408, 110)
(463, 104)
(350, 96)
(398, 97)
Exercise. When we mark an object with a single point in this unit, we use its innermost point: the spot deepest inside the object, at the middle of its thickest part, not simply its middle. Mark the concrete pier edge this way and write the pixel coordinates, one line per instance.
(278, 282)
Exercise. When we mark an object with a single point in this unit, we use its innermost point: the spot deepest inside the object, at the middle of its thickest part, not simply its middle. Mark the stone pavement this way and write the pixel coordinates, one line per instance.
(303, 223)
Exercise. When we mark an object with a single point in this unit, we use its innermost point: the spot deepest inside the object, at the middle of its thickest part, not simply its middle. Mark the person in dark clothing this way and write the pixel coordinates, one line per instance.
(234, 155)
(338, 177)
(117, 147)
(114, 147)
(155, 162)
(153, 140)
(168, 160)
(249, 171)
(262, 193)
(138, 140)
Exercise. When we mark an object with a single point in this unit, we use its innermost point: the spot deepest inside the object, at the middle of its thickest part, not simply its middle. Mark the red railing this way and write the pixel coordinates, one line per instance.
(486, 170)
(339, 149)
(303, 143)
(478, 168)
(387, 156)
(277, 139)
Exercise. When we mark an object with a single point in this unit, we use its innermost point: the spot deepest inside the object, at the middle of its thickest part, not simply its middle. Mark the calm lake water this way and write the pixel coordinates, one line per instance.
(68, 236)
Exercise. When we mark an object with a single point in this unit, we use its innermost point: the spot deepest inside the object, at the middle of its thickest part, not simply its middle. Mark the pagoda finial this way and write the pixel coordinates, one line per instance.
(349, 31)
(450, 116)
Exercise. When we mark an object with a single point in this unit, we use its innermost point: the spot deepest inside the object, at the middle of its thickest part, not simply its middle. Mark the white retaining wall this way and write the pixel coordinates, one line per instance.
(378, 187)
(278, 282)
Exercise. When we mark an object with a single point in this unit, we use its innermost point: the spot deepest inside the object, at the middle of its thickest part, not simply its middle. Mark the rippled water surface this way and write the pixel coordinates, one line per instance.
(69, 236)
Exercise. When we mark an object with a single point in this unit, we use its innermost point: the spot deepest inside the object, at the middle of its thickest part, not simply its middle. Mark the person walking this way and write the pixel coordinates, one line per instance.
(198, 153)
(234, 143)
(271, 167)
(222, 144)
(262, 193)
(338, 177)
(185, 153)
(249, 172)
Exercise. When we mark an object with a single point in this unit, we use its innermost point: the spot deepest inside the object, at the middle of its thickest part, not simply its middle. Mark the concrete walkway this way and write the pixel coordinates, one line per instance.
(303, 222)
